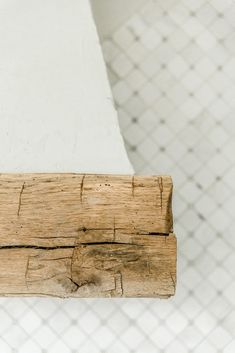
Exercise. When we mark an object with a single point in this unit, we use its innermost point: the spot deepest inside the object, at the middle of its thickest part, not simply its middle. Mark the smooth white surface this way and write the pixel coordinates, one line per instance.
(56, 108)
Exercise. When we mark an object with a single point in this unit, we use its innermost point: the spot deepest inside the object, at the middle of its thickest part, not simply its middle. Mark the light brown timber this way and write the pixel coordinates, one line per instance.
(84, 235)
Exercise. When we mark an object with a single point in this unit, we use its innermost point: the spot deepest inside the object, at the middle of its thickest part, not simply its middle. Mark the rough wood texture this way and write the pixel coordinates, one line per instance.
(73, 235)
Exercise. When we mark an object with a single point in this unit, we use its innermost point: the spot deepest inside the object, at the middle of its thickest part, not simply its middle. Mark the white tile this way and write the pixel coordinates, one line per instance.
(190, 308)
(179, 13)
(206, 13)
(191, 108)
(206, 40)
(193, 27)
(46, 336)
(124, 118)
(30, 347)
(123, 37)
(205, 347)
(132, 337)
(222, 5)
(204, 150)
(136, 52)
(205, 205)
(192, 53)
(176, 346)
(219, 248)
(189, 220)
(178, 39)
(191, 337)
(219, 219)
(135, 79)
(151, 13)
(219, 307)
(205, 67)
(219, 109)
(147, 322)
(162, 135)
(205, 292)
(150, 39)
(165, 26)
(164, 107)
(30, 322)
(110, 50)
(177, 322)
(218, 55)
(148, 149)
(204, 234)
(5, 320)
(149, 93)
(229, 68)
(230, 348)
(205, 322)
(89, 321)
(229, 149)
(205, 263)
(122, 92)
(205, 95)
(136, 25)
(230, 43)
(219, 337)
(103, 337)
(220, 28)
(121, 65)
(148, 120)
(134, 134)
(191, 81)
(218, 136)
(135, 106)
(5, 346)
(219, 278)
(150, 66)
(193, 4)
(162, 337)
(229, 263)
(190, 163)
(176, 149)
(191, 249)
(178, 66)
(229, 293)
(190, 192)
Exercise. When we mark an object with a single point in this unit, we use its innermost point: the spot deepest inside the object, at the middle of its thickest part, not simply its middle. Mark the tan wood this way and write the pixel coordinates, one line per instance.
(73, 235)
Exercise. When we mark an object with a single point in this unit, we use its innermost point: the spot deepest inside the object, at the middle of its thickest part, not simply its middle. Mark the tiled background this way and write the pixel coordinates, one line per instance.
(172, 70)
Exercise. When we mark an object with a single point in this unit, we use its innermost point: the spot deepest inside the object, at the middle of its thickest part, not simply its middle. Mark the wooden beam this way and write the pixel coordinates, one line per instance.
(77, 235)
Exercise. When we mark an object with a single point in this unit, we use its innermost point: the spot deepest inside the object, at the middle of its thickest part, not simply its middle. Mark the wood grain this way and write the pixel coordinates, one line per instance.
(84, 235)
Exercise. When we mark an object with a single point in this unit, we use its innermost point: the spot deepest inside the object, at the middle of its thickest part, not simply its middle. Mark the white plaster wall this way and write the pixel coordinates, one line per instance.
(56, 107)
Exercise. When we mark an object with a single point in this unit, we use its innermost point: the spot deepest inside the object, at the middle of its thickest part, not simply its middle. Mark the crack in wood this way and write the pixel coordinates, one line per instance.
(82, 187)
(133, 186)
(20, 198)
(78, 286)
(37, 247)
(160, 184)
(174, 284)
(121, 282)
(114, 230)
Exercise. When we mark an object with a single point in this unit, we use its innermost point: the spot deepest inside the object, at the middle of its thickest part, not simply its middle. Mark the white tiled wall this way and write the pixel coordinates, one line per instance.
(172, 69)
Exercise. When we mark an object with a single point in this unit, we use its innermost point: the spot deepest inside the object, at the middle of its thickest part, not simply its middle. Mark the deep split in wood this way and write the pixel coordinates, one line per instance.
(74, 235)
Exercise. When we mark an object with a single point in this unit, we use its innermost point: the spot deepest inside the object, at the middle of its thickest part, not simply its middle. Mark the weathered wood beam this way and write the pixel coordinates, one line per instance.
(74, 235)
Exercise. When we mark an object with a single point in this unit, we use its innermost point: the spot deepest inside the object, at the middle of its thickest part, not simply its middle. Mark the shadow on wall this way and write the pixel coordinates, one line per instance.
(103, 10)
